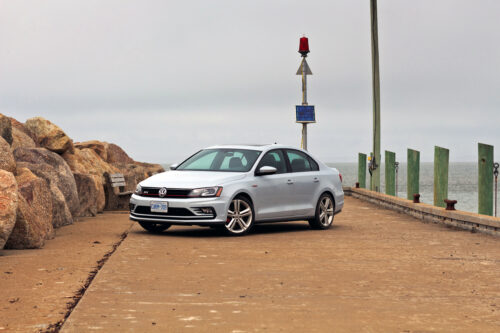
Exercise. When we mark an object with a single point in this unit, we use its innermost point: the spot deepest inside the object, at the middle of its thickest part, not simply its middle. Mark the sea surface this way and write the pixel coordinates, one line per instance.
(462, 182)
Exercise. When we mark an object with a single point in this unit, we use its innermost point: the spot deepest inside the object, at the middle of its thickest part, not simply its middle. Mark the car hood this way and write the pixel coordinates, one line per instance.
(191, 179)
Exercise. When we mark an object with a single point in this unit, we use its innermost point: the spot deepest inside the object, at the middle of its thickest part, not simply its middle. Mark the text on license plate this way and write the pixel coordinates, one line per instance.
(159, 207)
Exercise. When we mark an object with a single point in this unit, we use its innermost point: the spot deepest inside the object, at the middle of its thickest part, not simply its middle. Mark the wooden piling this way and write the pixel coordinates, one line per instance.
(412, 173)
(485, 179)
(390, 173)
(362, 170)
(441, 163)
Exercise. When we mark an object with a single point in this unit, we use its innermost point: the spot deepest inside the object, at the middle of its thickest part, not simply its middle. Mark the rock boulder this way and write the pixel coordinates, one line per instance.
(34, 213)
(55, 171)
(5, 128)
(7, 161)
(20, 126)
(49, 135)
(21, 140)
(8, 205)
(117, 155)
(87, 193)
(101, 148)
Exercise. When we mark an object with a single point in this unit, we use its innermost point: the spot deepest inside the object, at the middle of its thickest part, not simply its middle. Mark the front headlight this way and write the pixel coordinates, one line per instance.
(206, 192)
(138, 190)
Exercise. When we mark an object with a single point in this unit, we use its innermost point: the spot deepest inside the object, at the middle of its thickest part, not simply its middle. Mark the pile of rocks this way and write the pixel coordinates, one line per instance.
(47, 181)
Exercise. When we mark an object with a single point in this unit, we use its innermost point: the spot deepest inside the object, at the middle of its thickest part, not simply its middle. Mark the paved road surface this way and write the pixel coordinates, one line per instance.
(374, 271)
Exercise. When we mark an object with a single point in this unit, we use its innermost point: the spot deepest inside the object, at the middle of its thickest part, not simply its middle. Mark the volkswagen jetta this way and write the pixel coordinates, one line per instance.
(237, 186)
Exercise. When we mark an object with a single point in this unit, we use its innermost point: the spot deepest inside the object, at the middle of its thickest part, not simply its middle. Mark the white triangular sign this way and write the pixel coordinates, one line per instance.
(306, 68)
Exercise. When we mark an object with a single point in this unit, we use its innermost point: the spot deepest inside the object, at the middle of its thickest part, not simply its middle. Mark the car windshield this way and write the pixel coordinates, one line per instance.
(223, 159)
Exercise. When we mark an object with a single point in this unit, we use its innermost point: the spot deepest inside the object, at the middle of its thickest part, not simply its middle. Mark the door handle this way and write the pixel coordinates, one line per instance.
(289, 182)
(316, 180)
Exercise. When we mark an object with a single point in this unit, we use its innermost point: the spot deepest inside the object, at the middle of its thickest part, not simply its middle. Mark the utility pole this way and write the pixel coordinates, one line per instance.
(375, 161)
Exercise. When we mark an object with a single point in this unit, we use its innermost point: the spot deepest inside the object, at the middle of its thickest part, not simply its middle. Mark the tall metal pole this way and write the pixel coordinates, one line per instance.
(375, 176)
(304, 102)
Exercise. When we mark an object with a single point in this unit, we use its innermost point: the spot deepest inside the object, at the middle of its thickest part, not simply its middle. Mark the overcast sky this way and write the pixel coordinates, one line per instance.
(163, 79)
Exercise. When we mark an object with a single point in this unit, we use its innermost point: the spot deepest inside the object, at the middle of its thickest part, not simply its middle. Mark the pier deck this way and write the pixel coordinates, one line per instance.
(374, 271)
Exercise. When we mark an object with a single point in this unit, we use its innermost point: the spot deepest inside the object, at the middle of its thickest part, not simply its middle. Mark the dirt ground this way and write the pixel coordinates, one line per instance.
(37, 285)
(374, 271)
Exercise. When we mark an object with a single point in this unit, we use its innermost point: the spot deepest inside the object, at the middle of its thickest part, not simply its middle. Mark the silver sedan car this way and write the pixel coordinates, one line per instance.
(235, 187)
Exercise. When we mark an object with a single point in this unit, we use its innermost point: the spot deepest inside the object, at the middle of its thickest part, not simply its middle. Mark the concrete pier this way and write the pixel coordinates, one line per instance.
(375, 270)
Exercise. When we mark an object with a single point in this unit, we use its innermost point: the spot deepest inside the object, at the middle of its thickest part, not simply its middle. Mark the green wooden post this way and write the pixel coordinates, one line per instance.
(485, 179)
(413, 173)
(375, 178)
(362, 170)
(390, 173)
(441, 163)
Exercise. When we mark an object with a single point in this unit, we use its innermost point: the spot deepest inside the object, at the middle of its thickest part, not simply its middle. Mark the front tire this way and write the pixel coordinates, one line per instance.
(324, 213)
(154, 227)
(240, 217)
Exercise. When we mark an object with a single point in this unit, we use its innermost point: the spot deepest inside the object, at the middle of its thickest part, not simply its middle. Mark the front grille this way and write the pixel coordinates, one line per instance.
(171, 211)
(152, 192)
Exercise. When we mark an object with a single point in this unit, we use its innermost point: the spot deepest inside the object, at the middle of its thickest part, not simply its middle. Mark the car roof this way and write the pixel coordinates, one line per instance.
(261, 147)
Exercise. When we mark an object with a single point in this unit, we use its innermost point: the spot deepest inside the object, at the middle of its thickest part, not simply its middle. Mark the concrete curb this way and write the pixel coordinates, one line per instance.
(425, 212)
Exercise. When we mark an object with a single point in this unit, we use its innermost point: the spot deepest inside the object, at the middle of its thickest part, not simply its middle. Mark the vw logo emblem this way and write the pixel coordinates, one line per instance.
(162, 192)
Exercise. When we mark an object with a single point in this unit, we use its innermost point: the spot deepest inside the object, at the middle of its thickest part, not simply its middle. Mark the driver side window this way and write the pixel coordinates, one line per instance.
(275, 159)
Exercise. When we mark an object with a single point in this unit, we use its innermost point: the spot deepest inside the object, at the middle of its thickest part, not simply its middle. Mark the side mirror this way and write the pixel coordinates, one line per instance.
(174, 166)
(267, 170)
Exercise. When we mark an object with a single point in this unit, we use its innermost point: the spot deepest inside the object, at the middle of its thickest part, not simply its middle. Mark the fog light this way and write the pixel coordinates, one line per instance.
(207, 210)
(131, 207)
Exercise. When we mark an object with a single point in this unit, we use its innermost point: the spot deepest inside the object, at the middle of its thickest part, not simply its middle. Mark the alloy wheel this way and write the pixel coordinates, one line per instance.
(239, 216)
(326, 211)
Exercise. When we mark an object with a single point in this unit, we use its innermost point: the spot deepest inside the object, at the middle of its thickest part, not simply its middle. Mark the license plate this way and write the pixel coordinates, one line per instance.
(159, 207)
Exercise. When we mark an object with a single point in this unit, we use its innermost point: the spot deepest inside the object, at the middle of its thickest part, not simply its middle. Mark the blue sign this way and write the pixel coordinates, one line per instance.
(305, 114)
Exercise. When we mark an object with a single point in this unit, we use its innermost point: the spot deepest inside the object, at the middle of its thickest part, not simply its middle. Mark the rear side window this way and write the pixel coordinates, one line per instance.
(314, 165)
(299, 161)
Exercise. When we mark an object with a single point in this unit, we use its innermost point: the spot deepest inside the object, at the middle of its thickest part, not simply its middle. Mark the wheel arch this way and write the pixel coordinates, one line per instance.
(330, 193)
(246, 195)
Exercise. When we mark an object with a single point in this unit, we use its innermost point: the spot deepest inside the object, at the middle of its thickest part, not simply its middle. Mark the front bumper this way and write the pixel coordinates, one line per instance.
(181, 211)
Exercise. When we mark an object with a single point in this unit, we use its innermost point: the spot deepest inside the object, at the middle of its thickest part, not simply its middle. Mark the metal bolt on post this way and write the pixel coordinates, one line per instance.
(495, 173)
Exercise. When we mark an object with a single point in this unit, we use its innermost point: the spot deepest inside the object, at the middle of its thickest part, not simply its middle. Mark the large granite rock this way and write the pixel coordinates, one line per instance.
(8, 205)
(100, 194)
(101, 148)
(34, 213)
(7, 161)
(117, 155)
(87, 161)
(87, 192)
(55, 171)
(61, 213)
(21, 140)
(49, 135)
(5, 128)
(139, 170)
(20, 126)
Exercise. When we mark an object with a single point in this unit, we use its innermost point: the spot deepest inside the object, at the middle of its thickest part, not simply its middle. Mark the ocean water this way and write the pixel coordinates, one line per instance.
(462, 182)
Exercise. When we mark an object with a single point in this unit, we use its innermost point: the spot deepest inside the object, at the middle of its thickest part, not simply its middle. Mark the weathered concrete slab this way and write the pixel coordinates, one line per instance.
(37, 286)
(374, 271)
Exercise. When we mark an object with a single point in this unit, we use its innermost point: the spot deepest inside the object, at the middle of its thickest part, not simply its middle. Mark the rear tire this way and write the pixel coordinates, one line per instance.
(325, 211)
(154, 227)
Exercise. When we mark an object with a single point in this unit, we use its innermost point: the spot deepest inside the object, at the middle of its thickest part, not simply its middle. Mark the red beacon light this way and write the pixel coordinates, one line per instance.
(304, 46)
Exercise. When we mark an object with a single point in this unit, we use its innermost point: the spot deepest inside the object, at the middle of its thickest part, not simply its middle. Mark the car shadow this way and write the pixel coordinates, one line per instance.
(258, 229)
